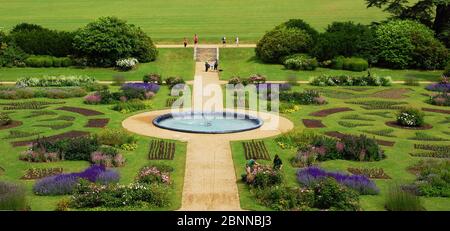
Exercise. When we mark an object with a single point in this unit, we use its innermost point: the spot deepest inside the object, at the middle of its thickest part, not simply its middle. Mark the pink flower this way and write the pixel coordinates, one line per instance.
(340, 146)
(93, 99)
(123, 99)
(149, 95)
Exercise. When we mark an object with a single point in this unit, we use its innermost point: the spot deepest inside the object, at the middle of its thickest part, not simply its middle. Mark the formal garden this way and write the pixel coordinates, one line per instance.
(369, 104)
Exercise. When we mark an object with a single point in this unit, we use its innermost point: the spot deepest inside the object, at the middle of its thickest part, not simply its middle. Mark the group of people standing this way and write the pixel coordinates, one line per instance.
(212, 66)
(224, 41)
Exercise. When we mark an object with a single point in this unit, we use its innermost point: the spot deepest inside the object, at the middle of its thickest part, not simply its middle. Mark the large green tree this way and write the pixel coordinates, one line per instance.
(433, 13)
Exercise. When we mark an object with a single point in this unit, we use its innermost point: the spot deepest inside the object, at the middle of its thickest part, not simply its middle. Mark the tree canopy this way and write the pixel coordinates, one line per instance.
(433, 13)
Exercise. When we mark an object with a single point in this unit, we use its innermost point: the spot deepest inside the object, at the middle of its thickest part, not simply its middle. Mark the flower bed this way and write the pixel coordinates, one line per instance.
(313, 123)
(256, 150)
(442, 99)
(398, 93)
(327, 112)
(108, 157)
(81, 111)
(436, 110)
(56, 81)
(28, 105)
(63, 184)
(382, 132)
(310, 175)
(62, 117)
(161, 150)
(38, 173)
(88, 195)
(131, 106)
(35, 114)
(153, 175)
(55, 126)
(345, 80)
(375, 173)
(152, 87)
(440, 87)
(65, 135)
(97, 123)
(12, 124)
(378, 104)
(52, 93)
(348, 124)
(305, 98)
(432, 178)
(339, 135)
(117, 138)
(426, 137)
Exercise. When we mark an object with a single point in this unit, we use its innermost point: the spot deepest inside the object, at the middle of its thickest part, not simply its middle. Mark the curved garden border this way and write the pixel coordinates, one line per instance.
(330, 111)
(395, 125)
(13, 124)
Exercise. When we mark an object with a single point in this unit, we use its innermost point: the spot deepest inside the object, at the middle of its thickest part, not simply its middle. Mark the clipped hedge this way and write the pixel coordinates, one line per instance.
(351, 64)
(48, 61)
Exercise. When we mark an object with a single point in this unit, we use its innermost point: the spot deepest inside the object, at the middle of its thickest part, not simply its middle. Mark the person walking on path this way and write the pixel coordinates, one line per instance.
(185, 42)
(237, 41)
(195, 39)
(216, 64)
(224, 41)
(277, 163)
(207, 66)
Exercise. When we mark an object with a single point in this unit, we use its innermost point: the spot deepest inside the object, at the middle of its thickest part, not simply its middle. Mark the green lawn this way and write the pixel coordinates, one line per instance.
(242, 62)
(398, 158)
(14, 168)
(171, 20)
(170, 62)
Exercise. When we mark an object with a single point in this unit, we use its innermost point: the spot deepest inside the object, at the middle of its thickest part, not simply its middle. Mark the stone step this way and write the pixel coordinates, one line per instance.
(206, 54)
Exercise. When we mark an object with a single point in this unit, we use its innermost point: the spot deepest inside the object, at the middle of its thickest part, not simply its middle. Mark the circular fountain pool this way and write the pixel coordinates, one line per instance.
(209, 123)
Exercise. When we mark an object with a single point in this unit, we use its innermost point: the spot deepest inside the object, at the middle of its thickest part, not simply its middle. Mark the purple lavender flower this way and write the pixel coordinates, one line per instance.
(65, 183)
(441, 87)
(108, 177)
(142, 86)
(269, 86)
(362, 184)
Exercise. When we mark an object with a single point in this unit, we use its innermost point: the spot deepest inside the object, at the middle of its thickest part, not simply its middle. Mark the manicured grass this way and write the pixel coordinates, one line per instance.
(15, 168)
(170, 62)
(242, 62)
(395, 165)
(171, 20)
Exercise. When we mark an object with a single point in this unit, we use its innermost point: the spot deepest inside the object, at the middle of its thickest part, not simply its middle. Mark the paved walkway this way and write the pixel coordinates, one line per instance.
(207, 45)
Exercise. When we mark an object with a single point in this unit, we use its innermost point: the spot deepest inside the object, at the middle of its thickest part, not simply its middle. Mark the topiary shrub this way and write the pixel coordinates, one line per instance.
(345, 39)
(281, 42)
(300, 62)
(408, 44)
(410, 117)
(109, 39)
